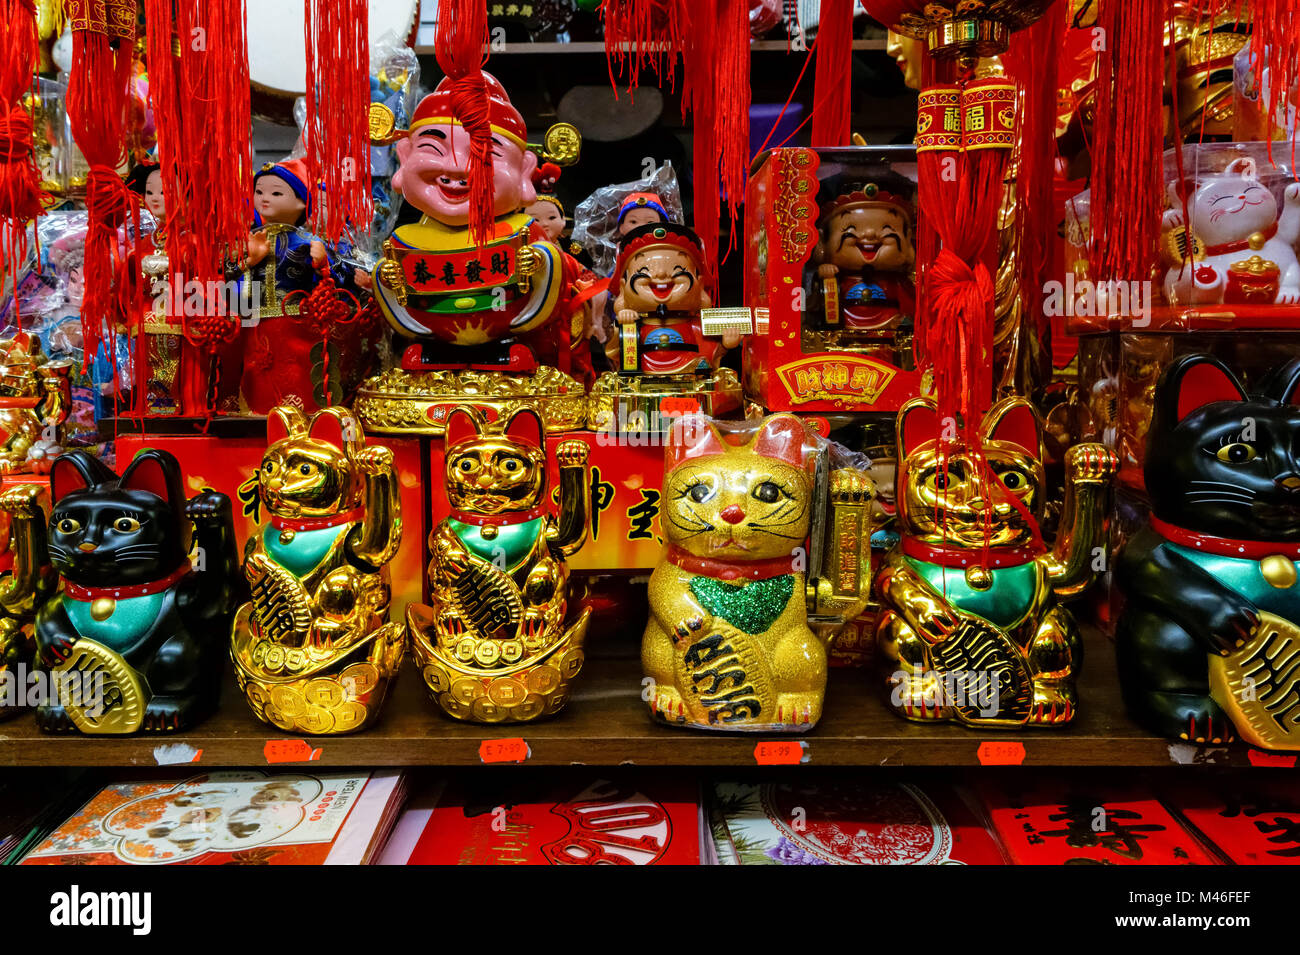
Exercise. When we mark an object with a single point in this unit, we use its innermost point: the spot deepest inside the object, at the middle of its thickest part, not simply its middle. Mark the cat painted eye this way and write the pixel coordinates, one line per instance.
(126, 525)
(68, 526)
(699, 493)
(767, 492)
(467, 465)
(1013, 480)
(305, 468)
(1236, 453)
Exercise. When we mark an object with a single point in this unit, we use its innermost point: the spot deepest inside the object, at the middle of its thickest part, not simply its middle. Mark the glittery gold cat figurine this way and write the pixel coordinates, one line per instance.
(971, 620)
(313, 651)
(499, 643)
(27, 579)
(728, 645)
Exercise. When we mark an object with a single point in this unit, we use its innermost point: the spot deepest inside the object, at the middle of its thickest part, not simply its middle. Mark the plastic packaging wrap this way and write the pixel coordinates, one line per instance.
(595, 220)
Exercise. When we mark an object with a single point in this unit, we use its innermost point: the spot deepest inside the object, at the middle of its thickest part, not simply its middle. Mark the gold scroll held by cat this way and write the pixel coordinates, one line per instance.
(971, 623)
(499, 644)
(25, 584)
(312, 651)
(729, 644)
(1257, 684)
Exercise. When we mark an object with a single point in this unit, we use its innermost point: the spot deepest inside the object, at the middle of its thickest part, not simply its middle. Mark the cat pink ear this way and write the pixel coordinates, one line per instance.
(1203, 383)
(525, 427)
(1244, 167)
(66, 477)
(782, 437)
(1014, 422)
(146, 473)
(918, 422)
(692, 436)
(462, 426)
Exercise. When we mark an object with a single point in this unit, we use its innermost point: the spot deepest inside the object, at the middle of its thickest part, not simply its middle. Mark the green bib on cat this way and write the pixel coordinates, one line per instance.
(1244, 576)
(303, 554)
(508, 549)
(752, 606)
(131, 618)
(1003, 604)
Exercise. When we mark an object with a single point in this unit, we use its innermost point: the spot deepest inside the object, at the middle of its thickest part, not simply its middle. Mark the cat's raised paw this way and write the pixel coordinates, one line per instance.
(208, 506)
(21, 500)
(571, 454)
(374, 460)
(685, 628)
(850, 486)
(1091, 462)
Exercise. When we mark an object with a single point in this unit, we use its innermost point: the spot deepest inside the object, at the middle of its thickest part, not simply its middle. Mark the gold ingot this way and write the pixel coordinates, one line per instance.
(348, 716)
(487, 653)
(571, 663)
(437, 679)
(485, 711)
(1279, 571)
(542, 680)
(288, 701)
(101, 608)
(323, 693)
(360, 678)
(316, 720)
(506, 692)
(466, 690)
(529, 709)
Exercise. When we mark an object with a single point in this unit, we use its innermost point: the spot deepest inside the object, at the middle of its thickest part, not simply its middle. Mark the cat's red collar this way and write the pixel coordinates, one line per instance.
(316, 523)
(960, 558)
(1240, 243)
(78, 592)
(1223, 546)
(731, 569)
(499, 520)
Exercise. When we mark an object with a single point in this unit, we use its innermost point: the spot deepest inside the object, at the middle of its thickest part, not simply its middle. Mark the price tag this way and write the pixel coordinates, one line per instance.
(784, 752)
(1001, 753)
(513, 750)
(1259, 757)
(680, 405)
(289, 751)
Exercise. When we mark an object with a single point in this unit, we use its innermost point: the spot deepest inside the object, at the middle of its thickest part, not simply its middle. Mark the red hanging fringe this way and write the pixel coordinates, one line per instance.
(1275, 48)
(198, 73)
(20, 192)
(338, 100)
(460, 47)
(831, 81)
(716, 93)
(102, 44)
(1128, 140)
(644, 34)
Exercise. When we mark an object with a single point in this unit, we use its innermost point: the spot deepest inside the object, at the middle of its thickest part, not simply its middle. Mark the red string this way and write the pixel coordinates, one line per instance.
(643, 34)
(834, 66)
(459, 46)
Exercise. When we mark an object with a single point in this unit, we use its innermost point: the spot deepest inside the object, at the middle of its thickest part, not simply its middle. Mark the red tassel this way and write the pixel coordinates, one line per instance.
(717, 95)
(644, 34)
(20, 192)
(198, 72)
(1275, 47)
(1127, 164)
(459, 46)
(338, 100)
(831, 86)
(102, 45)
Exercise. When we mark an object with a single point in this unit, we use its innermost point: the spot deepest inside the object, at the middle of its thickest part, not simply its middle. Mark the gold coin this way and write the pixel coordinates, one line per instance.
(316, 719)
(465, 649)
(363, 677)
(259, 652)
(556, 702)
(485, 711)
(467, 690)
(506, 692)
(256, 695)
(274, 657)
(436, 678)
(530, 708)
(571, 663)
(487, 653)
(349, 716)
(323, 692)
(295, 659)
(543, 679)
(276, 718)
(382, 122)
(453, 706)
(288, 701)
(512, 651)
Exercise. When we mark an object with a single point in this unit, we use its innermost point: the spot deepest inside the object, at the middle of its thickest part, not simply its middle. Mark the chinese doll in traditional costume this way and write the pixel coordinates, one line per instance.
(865, 261)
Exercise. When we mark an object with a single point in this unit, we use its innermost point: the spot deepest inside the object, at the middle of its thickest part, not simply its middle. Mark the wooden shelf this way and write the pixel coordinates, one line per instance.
(606, 724)
(598, 46)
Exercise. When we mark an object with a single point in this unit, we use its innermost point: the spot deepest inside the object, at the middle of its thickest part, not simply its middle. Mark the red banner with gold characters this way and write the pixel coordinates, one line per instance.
(980, 115)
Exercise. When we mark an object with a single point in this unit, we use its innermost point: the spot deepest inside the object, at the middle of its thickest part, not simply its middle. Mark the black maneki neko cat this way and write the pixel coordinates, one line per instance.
(1209, 639)
(137, 638)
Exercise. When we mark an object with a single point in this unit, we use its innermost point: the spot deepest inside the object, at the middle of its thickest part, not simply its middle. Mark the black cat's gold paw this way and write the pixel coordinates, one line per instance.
(208, 506)
(1093, 463)
(572, 454)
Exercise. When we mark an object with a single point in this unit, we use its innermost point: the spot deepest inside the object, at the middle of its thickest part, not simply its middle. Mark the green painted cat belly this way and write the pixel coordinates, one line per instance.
(508, 549)
(1242, 575)
(1003, 604)
(752, 606)
(132, 617)
(305, 551)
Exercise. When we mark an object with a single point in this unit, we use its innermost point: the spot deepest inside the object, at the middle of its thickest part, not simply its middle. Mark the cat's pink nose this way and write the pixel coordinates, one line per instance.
(732, 514)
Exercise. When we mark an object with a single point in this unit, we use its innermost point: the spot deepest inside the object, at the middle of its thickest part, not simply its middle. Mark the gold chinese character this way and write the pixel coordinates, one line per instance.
(974, 118)
(951, 119)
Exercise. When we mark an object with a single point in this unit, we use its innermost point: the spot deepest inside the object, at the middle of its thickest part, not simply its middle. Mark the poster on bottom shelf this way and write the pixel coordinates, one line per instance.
(243, 817)
(615, 820)
(1087, 823)
(1255, 822)
(847, 822)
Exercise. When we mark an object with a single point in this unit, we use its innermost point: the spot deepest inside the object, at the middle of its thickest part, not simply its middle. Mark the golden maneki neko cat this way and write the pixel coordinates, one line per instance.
(501, 643)
(731, 644)
(971, 616)
(26, 581)
(313, 651)
(35, 397)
